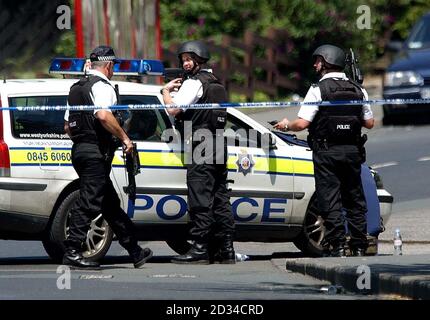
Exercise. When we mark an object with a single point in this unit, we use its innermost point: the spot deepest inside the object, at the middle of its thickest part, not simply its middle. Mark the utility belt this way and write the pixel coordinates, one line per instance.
(319, 143)
(322, 144)
(107, 149)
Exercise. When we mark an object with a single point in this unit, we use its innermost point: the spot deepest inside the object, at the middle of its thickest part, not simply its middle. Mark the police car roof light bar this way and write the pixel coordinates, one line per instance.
(125, 67)
(67, 66)
(138, 67)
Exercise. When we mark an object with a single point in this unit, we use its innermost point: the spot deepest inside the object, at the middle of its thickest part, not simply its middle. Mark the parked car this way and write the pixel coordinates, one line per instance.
(408, 77)
(272, 188)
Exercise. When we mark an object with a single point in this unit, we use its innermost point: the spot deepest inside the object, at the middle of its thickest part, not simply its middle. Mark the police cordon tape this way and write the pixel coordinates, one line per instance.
(238, 105)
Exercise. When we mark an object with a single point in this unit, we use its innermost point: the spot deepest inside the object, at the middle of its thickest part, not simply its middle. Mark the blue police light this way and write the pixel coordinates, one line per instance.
(124, 67)
(138, 67)
(67, 66)
(152, 67)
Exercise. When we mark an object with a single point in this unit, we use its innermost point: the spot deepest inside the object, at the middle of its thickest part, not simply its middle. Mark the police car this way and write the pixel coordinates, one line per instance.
(272, 187)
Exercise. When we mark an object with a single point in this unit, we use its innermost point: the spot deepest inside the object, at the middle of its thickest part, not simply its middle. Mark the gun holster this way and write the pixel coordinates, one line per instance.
(317, 144)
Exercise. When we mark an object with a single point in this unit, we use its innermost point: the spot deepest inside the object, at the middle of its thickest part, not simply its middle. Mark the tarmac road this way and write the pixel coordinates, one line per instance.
(27, 273)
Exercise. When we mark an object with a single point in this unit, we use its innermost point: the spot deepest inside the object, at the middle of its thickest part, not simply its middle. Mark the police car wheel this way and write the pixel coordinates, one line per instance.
(309, 240)
(180, 246)
(99, 236)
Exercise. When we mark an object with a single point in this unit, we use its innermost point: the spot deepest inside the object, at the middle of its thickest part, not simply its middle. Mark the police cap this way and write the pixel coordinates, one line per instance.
(103, 53)
(331, 54)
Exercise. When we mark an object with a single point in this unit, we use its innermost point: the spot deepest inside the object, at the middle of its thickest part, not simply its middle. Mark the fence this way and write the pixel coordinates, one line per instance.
(252, 64)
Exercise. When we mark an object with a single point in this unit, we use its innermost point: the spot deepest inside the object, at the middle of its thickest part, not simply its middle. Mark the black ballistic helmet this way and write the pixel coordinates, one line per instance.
(197, 47)
(331, 54)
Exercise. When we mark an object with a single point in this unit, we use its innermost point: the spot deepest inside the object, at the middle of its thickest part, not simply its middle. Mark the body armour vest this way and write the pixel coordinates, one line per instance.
(83, 125)
(213, 92)
(338, 124)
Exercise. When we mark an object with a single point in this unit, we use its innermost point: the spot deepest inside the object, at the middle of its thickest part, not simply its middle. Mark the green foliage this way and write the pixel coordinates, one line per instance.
(309, 22)
(407, 18)
(66, 46)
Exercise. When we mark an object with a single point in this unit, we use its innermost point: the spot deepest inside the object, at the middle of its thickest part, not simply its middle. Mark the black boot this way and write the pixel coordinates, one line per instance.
(226, 254)
(338, 250)
(198, 254)
(74, 258)
(358, 252)
(140, 256)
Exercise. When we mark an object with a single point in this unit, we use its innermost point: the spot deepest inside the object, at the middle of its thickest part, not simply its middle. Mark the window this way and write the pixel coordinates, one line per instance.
(144, 125)
(141, 125)
(38, 124)
(420, 35)
(241, 134)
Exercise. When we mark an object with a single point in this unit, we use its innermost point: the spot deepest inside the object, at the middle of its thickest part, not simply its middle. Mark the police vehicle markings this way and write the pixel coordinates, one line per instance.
(269, 210)
(25, 156)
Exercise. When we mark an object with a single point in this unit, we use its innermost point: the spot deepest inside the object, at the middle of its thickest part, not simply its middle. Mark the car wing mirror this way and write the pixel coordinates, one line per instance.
(268, 141)
(272, 143)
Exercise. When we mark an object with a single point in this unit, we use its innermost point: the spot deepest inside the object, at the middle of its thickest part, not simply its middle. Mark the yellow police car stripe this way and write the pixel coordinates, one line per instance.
(39, 156)
(156, 158)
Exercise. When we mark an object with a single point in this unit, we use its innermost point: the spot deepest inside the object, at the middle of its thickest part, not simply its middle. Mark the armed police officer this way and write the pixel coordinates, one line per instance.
(337, 144)
(209, 205)
(92, 133)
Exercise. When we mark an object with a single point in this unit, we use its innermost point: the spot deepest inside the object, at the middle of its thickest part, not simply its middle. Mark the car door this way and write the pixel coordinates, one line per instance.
(161, 186)
(39, 153)
(262, 190)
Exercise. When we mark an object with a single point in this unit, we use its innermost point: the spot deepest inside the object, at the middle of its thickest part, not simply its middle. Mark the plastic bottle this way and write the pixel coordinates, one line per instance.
(241, 257)
(332, 290)
(397, 243)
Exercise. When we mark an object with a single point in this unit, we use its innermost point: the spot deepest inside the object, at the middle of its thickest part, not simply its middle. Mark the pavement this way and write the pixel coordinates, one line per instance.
(395, 277)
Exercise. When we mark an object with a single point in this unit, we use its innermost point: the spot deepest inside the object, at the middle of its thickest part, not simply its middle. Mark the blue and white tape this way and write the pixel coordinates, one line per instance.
(238, 105)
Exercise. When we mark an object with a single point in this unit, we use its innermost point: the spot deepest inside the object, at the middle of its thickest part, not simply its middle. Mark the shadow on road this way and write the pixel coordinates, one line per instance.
(116, 260)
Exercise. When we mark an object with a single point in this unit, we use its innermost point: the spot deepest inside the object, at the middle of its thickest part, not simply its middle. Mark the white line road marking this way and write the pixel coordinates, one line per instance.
(383, 165)
(424, 158)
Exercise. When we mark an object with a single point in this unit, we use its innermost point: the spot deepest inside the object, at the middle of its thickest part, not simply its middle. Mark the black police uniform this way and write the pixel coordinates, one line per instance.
(208, 200)
(92, 154)
(335, 137)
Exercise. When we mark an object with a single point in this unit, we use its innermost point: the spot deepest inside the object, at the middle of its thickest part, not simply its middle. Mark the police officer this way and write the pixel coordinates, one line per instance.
(337, 144)
(208, 200)
(93, 149)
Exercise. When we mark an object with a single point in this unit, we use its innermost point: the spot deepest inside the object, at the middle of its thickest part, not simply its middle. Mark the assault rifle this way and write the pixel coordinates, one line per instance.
(131, 160)
(352, 62)
(132, 165)
(172, 73)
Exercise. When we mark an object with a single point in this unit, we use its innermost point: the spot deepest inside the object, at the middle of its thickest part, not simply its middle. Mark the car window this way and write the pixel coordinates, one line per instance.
(420, 35)
(38, 124)
(240, 134)
(144, 125)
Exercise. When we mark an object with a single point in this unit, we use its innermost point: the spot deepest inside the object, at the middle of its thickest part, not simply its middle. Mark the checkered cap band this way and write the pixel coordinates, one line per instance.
(105, 58)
